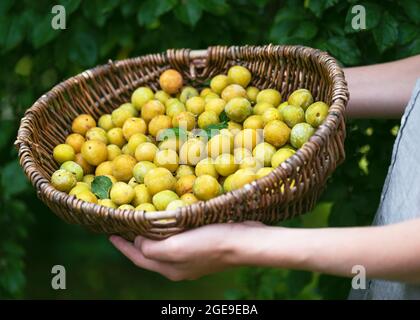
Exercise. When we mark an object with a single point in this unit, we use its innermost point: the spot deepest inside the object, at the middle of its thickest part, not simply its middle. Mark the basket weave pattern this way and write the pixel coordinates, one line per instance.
(291, 189)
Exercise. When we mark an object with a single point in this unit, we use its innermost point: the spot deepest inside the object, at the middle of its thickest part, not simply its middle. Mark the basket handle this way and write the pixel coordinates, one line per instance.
(198, 62)
(18, 142)
(198, 54)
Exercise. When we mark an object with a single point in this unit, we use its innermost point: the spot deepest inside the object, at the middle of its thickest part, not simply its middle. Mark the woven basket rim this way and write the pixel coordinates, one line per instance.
(336, 111)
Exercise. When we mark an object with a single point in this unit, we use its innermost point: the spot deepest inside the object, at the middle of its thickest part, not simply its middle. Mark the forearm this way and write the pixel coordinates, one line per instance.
(390, 252)
(381, 90)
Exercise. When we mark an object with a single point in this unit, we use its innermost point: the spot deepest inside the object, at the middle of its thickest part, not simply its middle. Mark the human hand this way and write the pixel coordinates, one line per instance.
(191, 254)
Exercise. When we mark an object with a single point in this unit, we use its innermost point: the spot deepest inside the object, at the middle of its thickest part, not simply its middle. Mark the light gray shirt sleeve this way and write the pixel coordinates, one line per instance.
(400, 198)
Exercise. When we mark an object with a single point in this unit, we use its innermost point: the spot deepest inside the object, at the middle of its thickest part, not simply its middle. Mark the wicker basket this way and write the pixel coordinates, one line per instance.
(291, 189)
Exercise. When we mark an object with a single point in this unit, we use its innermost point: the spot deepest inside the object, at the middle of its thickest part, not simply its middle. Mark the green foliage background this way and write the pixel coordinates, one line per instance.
(34, 57)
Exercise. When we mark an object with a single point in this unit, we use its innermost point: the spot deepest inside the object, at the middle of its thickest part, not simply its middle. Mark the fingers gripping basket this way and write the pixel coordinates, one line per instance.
(291, 189)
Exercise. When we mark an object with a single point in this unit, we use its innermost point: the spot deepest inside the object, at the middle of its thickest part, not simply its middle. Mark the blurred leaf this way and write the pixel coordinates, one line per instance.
(319, 6)
(5, 5)
(17, 212)
(386, 34)
(107, 6)
(409, 50)
(101, 186)
(332, 26)
(84, 50)
(318, 217)
(395, 130)
(129, 8)
(217, 7)
(306, 30)
(61, 58)
(7, 132)
(412, 9)
(48, 78)
(297, 280)
(12, 278)
(24, 66)
(70, 5)
(13, 172)
(290, 14)
(344, 49)
(281, 32)
(292, 25)
(234, 294)
(364, 165)
(150, 10)
(327, 282)
(407, 33)
(189, 12)
(10, 247)
(343, 213)
(12, 32)
(260, 3)
(43, 33)
(99, 10)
